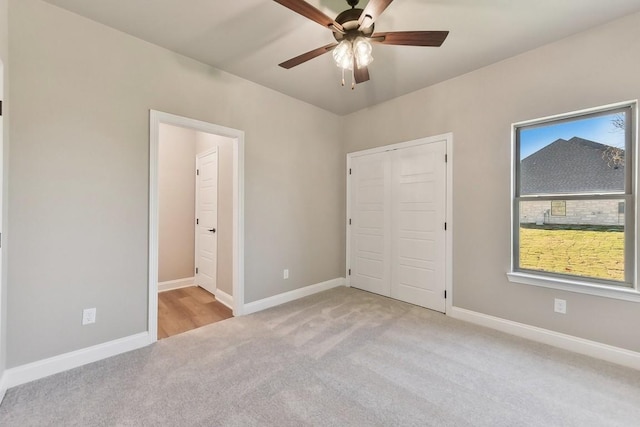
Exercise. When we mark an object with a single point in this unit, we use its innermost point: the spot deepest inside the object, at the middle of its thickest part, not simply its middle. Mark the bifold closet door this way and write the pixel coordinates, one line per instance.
(370, 238)
(398, 201)
(418, 200)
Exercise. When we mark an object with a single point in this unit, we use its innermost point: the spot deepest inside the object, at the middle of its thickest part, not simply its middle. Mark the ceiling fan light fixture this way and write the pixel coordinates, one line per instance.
(343, 55)
(353, 30)
(347, 50)
(362, 51)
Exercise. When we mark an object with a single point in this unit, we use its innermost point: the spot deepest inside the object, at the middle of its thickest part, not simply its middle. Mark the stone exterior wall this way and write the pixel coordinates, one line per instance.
(582, 212)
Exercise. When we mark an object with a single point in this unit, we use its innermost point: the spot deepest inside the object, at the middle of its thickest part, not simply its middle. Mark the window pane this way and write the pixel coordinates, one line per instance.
(583, 155)
(587, 241)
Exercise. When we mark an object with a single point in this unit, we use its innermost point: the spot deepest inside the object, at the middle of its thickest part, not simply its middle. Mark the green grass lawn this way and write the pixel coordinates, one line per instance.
(598, 254)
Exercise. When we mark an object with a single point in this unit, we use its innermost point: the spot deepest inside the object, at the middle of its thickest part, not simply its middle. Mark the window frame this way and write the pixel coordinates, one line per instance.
(628, 289)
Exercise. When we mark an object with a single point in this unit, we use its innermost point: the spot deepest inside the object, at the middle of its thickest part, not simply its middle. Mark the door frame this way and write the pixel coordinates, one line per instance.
(195, 226)
(155, 119)
(4, 126)
(448, 270)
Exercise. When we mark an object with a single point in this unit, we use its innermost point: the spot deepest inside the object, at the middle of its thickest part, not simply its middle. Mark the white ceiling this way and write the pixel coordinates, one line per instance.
(249, 38)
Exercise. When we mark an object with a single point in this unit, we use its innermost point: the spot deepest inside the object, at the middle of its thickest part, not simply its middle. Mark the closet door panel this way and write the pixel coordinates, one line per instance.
(370, 240)
(418, 196)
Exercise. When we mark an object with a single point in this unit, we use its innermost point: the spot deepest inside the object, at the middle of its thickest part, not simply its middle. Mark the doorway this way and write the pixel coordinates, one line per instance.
(399, 221)
(174, 256)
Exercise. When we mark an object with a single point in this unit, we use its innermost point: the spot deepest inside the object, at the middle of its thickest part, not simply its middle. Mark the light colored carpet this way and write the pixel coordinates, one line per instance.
(340, 358)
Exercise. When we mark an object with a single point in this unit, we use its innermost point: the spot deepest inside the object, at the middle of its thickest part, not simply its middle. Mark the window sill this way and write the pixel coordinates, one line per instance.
(575, 286)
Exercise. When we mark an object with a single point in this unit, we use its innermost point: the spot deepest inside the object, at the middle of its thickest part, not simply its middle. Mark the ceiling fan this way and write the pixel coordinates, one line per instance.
(353, 31)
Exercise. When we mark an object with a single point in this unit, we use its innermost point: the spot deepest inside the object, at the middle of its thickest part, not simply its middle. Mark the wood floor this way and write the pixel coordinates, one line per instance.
(183, 309)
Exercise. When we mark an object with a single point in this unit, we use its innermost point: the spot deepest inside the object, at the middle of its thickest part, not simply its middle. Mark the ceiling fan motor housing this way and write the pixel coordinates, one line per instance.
(349, 21)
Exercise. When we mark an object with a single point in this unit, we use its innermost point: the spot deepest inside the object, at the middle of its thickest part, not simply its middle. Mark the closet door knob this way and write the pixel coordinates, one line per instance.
(212, 230)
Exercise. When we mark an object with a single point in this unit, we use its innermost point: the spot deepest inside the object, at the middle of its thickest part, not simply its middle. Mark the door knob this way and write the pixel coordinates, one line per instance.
(212, 230)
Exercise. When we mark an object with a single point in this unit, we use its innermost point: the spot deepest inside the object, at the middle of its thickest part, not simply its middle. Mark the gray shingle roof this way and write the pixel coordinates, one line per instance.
(573, 166)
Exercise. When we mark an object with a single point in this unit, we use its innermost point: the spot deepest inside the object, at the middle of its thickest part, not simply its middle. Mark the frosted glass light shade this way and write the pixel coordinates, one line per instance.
(343, 55)
(362, 50)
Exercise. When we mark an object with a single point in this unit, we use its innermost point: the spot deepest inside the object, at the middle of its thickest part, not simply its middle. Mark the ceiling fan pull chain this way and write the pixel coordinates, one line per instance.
(353, 77)
(342, 76)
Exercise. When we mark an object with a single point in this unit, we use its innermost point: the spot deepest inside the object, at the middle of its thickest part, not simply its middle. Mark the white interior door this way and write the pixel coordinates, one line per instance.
(417, 227)
(398, 212)
(370, 241)
(206, 220)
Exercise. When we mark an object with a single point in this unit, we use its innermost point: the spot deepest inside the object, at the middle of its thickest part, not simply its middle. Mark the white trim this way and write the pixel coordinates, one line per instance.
(575, 113)
(448, 137)
(448, 280)
(238, 225)
(224, 298)
(626, 294)
(3, 387)
(598, 350)
(282, 298)
(170, 285)
(400, 145)
(53, 365)
(155, 118)
(4, 158)
(347, 264)
(154, 142)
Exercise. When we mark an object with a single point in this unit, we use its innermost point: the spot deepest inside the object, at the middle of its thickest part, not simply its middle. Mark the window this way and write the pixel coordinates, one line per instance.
(574, 199)
(559, 207)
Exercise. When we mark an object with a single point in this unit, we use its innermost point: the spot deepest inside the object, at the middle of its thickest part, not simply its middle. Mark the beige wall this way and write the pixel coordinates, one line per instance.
(78, 193)
(205, 142)
(594, 68)
(4, 56)
(176, 202)
(79, 165)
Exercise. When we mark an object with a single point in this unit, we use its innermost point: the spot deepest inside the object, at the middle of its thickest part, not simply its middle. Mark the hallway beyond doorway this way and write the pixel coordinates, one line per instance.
(180, 310)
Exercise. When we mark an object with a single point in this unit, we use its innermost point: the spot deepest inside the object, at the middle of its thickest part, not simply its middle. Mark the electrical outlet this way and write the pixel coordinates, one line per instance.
(560, 306)
(285, 273)
(88, 316)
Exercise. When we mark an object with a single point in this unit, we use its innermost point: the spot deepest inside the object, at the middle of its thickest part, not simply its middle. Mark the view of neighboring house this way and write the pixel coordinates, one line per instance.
(573, 166)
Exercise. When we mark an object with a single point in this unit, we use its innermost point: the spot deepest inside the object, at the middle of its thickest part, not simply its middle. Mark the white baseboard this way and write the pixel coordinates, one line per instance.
(3, 387)
(224, 298)
(176, 284)
(595, 349)
(265, 303)
(43, 368)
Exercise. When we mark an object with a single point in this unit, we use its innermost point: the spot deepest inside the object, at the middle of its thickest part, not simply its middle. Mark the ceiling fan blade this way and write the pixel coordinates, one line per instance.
(371, 12)
(411, 38)
(307, 56)
(361, 75)
(310, 12)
